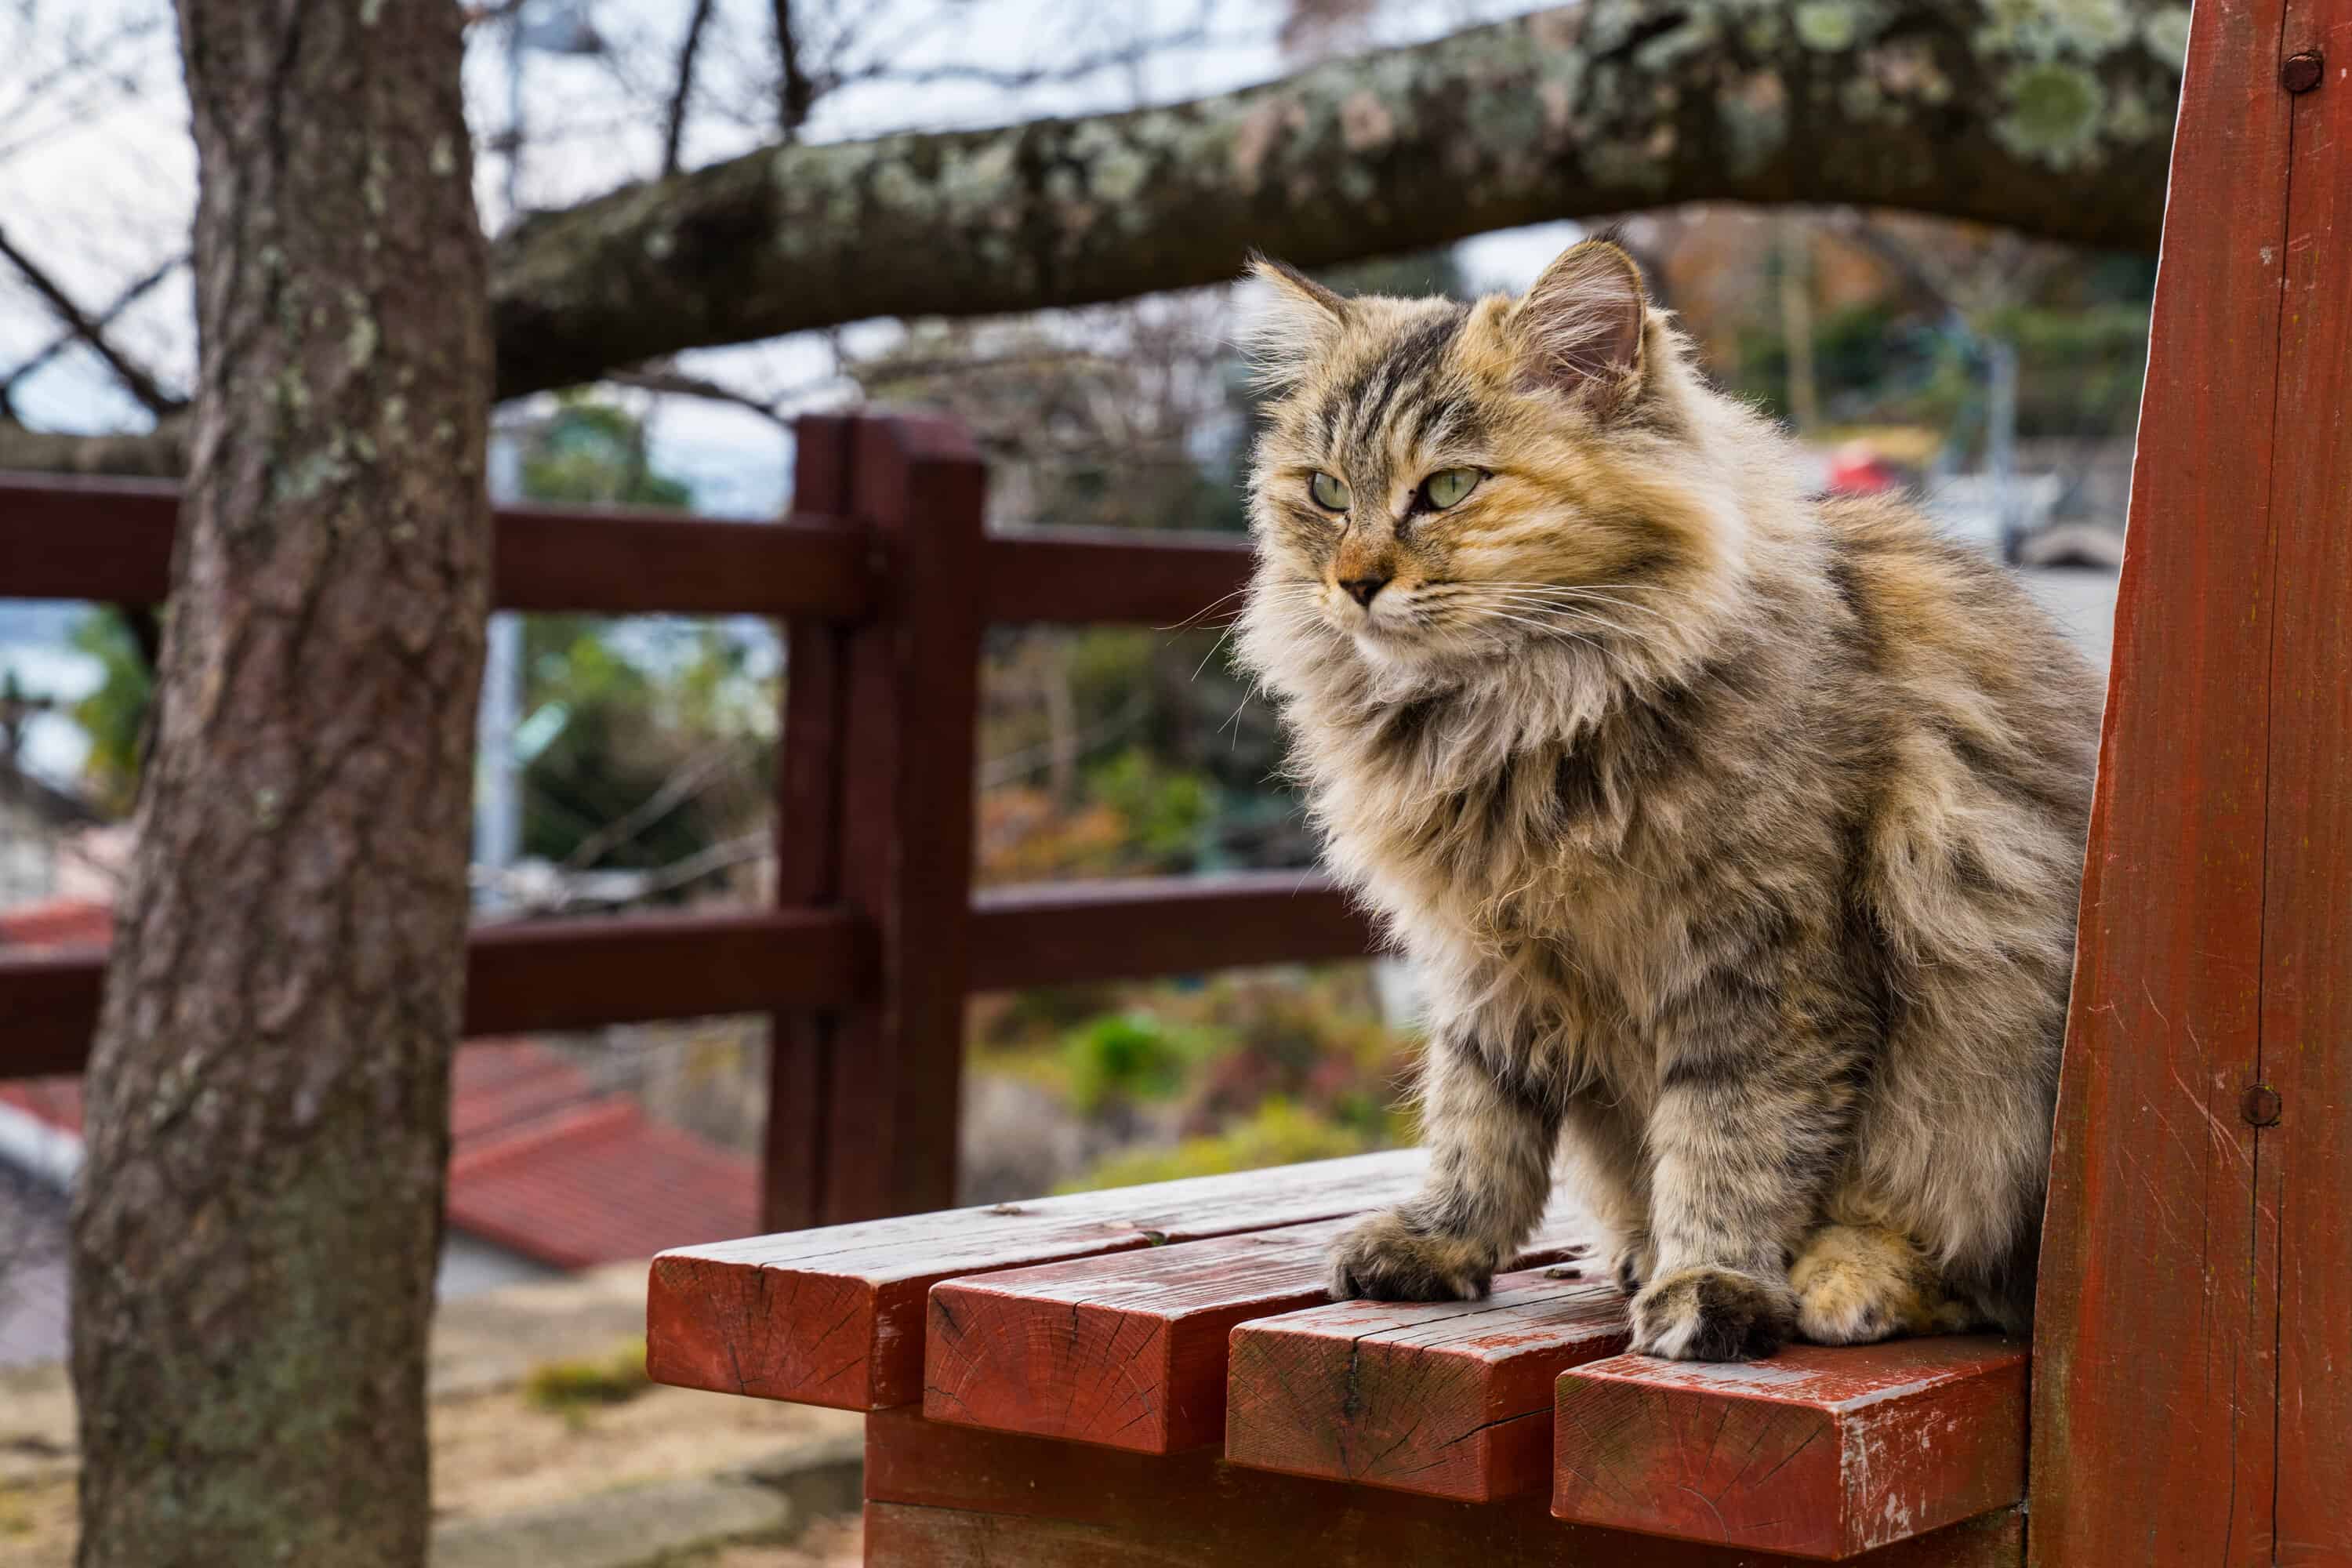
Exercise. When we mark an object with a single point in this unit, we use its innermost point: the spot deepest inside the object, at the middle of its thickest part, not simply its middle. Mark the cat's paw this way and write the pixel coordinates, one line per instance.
(1388, 1260)
(1632, 1264)
(1706, 1313)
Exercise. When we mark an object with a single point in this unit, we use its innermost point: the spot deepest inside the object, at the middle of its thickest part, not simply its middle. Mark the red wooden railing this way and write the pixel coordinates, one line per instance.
(885, 577)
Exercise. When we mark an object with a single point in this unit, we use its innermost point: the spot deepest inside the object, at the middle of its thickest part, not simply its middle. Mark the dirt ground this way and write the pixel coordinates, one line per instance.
(498, 1453)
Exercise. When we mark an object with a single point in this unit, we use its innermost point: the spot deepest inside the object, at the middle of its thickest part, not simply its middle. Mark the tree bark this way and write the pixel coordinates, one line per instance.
(257, 1229)
(2052, 119)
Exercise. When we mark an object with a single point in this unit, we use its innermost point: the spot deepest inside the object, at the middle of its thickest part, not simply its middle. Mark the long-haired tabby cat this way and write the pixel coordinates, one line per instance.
(1736, 833)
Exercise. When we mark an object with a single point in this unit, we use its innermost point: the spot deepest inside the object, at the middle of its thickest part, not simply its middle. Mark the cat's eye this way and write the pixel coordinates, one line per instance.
(1446, 487)
(1328, 493)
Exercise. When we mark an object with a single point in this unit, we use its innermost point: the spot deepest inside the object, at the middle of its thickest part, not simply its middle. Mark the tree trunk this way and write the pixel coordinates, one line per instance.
(2052, 119)
(257, 1223)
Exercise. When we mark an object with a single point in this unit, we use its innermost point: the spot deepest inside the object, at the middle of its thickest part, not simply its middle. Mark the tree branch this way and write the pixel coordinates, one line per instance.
(2062, 131)
(134, 377)
(674, 126)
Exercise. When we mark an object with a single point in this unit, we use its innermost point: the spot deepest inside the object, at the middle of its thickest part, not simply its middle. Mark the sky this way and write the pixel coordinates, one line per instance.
(99, 186)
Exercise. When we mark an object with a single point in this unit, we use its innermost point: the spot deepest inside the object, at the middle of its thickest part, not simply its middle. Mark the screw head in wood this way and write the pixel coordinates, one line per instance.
(2259, 1105)
(2303, 70)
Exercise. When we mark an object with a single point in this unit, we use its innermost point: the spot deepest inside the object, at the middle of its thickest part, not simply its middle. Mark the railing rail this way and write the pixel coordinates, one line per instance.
(883, 577)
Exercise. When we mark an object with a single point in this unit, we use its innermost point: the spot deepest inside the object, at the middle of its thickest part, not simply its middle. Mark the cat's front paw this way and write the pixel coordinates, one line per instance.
(1388, 1260)
(1706, 1314)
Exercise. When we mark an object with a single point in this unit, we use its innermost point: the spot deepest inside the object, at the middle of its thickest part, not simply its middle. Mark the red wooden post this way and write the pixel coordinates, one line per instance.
(2196, 1311)
(801, 1045)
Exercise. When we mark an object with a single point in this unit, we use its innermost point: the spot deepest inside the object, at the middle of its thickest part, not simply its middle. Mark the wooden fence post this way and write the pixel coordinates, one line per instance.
(801, 1045)
(864, 1104)
(2189, 1394)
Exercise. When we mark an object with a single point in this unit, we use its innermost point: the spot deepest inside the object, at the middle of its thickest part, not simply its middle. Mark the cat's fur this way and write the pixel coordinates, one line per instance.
(1736, 833)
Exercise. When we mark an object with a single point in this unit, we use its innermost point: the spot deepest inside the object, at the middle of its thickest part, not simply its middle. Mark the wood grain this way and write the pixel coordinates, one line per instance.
(797, 1138)
(1129, 1350)
(2307, 1013)
(835, 1315)
(1818, 1453)
(63, 538)
(540, 974)
(1104, 576)
(960, 1497)
(1440, 1398)
(2156, 1375)
(1063, 933)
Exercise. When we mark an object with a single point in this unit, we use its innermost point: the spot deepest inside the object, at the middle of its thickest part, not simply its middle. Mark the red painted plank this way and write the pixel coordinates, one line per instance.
(2306, 1019)
(1063, 933)
(1431, 1397)
(1103, 576)
(1130, 1351)
(537, 975)
(962, 1497)
(1817, 1453)
(65, 538)
(835, 1315)
(2155, 1379)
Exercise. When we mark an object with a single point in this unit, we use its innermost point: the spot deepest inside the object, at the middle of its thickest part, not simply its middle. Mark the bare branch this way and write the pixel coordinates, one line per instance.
(131, 296)
(674, 126)
(134, 378)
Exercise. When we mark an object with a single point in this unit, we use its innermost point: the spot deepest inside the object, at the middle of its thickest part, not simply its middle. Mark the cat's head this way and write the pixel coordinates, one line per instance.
(1440, 482)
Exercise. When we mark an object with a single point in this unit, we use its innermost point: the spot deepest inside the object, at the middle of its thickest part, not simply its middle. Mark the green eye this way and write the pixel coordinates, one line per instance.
(1448, 486)
(1328, 493)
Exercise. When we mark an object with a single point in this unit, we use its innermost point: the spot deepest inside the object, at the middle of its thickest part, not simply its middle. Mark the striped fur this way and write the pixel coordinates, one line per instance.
(1736, 835)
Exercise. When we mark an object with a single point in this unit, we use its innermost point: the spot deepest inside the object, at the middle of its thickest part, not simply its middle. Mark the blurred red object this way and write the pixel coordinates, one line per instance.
(1857, 468)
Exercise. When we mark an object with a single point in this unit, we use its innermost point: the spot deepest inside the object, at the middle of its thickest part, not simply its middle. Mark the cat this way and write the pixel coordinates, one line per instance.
(1737, 835)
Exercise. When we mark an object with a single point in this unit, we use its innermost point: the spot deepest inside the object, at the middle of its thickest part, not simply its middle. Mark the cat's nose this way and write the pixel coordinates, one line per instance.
(1361, 589)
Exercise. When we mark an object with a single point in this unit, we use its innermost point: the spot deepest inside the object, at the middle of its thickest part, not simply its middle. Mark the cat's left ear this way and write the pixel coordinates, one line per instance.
(1298, 322)
(1579, 329)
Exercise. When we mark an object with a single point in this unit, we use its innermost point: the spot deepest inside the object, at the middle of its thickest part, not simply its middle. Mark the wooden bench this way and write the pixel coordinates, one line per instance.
(1153, 1375)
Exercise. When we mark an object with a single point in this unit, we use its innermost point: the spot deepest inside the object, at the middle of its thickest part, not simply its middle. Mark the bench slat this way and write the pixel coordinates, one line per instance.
(1819, 1453)
(1431, 1398)
(941, 1495)
(835, 1316)
(1129, 1352)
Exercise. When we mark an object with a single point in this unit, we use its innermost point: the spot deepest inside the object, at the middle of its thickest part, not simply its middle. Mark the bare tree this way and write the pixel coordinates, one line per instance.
(258, 1219)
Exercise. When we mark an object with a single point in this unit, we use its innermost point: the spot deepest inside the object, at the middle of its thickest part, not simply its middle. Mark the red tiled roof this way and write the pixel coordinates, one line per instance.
(547, 1164)
(59, 923)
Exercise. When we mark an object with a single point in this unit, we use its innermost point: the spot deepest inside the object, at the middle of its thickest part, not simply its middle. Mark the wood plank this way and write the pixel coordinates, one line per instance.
(960, 1497)
(66, 537)
(1108, 576)
(530, 975)
(835, 1315)
(2155, 1379)
(1818, 1453)
(1427, 1397)
(70, 538)
(2307, 1017)
(1064, 932)
(1129, 1350)
(631, 561)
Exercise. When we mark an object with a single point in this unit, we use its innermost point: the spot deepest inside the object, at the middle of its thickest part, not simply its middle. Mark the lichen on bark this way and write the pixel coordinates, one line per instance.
(2051, 116)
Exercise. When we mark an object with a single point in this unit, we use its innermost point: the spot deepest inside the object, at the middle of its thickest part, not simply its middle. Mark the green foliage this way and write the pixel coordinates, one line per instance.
(573, 1388)
(1276, 1133)
(114, 715)
(1166, 808)
(591, 452)
(1122, 1058)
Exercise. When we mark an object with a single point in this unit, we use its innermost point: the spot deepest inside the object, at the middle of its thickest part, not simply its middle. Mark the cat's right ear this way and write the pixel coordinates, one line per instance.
(1295, 325)
(1579, 330)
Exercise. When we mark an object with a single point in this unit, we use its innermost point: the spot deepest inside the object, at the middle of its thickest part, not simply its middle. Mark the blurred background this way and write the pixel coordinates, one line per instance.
(629, 764)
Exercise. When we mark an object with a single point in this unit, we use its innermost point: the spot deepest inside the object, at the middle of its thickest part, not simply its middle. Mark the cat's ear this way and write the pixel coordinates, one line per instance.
(1579, 329)
(1297, 322)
